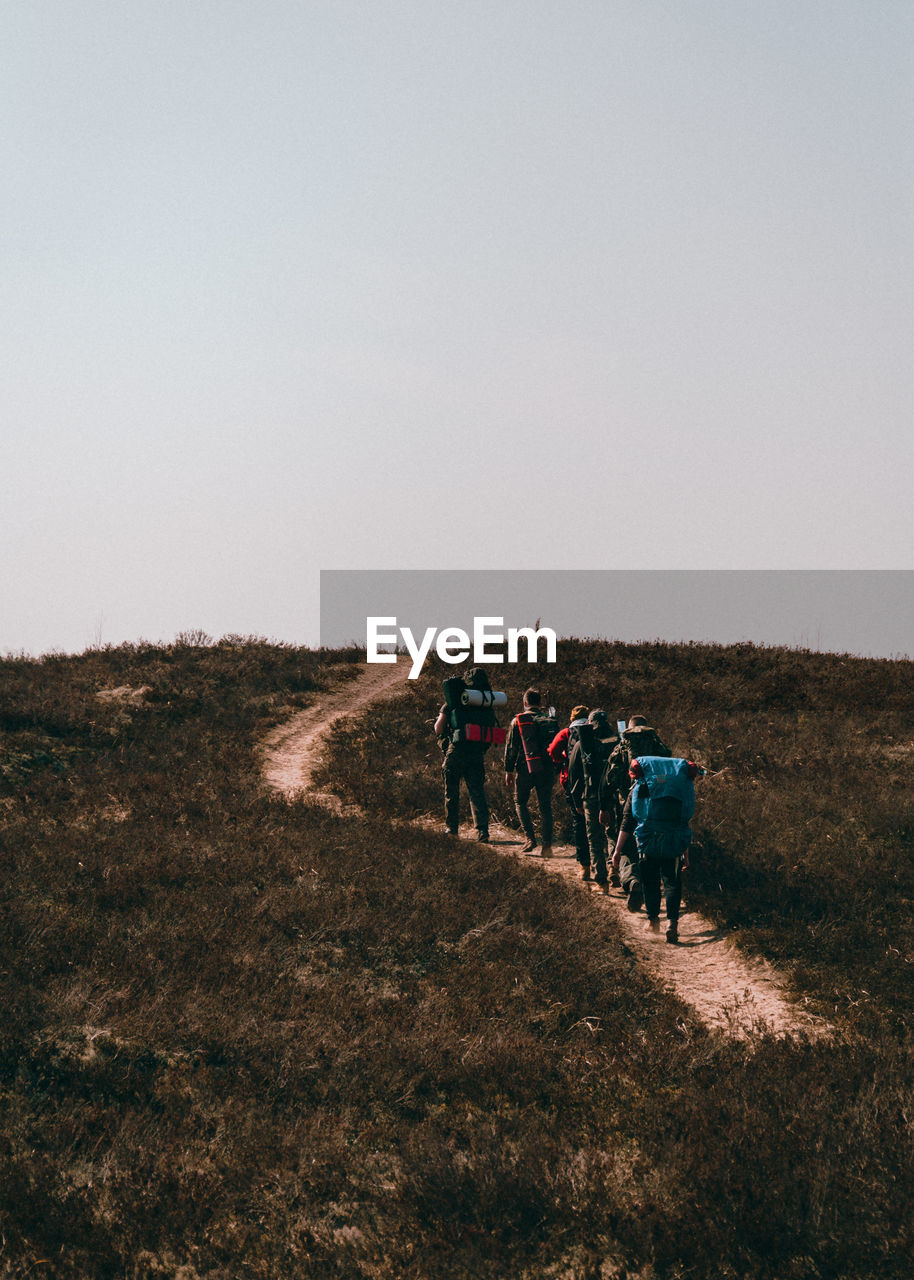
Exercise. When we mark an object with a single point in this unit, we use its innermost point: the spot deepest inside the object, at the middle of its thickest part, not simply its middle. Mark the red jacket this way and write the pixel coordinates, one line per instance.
(558, 753)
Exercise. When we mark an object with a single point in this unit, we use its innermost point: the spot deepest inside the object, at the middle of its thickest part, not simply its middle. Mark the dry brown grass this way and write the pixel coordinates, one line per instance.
(245, 1038)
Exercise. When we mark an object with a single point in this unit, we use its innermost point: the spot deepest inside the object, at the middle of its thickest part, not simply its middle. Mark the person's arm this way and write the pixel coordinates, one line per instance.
(626, 827)
(576, 780)
(621, 842)
(441, 722)
(607, 793)
(511, 749)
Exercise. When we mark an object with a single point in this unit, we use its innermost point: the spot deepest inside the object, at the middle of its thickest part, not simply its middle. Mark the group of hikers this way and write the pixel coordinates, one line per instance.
(624, 789)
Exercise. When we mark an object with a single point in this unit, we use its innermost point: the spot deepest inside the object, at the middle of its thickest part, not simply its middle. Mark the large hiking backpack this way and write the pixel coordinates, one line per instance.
(639, 741)
(537, 728)
(663, 801)
(572, 738)
(588, 755)
(471, 709)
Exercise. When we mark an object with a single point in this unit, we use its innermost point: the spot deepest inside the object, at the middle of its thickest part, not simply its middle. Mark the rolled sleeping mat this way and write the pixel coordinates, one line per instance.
(483, 698)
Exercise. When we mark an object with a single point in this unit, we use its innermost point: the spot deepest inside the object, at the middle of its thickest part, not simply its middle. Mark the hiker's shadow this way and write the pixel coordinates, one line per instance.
(703, 939)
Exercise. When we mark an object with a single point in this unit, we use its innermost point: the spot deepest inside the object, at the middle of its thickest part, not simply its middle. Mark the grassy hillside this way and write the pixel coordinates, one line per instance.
(244, 1038)
(805, 831)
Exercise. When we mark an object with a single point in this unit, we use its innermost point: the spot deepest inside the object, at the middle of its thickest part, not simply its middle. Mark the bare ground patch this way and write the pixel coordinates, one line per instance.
(134, 696)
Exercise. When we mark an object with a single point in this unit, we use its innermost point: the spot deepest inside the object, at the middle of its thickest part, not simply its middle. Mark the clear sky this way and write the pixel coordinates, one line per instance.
(290, 286)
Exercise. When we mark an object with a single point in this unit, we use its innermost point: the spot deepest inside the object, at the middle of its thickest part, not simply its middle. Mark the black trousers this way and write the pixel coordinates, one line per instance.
(469, 764)
(666, 872)
(581, 846)
(524, 786)
(596, 839)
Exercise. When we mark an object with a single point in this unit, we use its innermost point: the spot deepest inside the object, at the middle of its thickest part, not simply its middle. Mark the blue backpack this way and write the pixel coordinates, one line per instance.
(663, 801)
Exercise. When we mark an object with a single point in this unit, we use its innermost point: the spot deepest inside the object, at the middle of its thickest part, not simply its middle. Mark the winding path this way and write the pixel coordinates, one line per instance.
(292, 751)
(728, 990)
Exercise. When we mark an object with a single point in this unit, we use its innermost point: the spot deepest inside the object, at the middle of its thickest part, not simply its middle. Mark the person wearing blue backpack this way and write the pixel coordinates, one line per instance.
(657, 812)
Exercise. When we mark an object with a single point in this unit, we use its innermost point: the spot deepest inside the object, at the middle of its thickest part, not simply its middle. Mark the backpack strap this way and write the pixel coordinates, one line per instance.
(529, 738)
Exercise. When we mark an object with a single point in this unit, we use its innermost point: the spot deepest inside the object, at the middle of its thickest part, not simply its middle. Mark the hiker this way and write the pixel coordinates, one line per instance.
(588, 756)
(526, 752)
(657, 812)
(464, 758)
(558, 753)
(638, 739)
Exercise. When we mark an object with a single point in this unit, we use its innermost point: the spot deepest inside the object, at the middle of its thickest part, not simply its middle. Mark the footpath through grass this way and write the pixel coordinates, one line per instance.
(804, 836)
(245, 1038)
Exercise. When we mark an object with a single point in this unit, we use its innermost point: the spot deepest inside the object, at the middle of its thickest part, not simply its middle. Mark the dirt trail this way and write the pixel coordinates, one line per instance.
(292, 751)
(729, 991)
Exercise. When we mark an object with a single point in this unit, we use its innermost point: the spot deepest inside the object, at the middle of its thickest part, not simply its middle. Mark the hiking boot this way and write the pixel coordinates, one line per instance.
(450, 831)
(482, 837)
(614, 880)
(585, 874)
(635, 896)
(653, 925)
(604, 886)
(530, 846)
(547, 850)
(672, 931)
